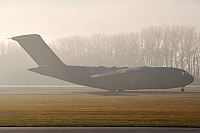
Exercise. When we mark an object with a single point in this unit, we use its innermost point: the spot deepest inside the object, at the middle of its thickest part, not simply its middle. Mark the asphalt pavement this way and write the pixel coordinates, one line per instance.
(98, 130)
(79, 90)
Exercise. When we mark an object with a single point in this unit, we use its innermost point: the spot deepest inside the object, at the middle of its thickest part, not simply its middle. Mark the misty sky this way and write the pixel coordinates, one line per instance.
(60, 18)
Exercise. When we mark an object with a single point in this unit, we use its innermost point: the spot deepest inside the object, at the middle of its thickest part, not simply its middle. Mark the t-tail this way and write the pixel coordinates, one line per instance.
(38, 50)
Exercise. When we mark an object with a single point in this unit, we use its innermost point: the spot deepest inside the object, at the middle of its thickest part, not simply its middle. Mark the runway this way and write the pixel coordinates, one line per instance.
(34, 91)
(84, 90)
(98, 130)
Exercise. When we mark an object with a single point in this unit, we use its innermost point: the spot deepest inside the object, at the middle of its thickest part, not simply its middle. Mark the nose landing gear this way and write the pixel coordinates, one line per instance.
(182, 89)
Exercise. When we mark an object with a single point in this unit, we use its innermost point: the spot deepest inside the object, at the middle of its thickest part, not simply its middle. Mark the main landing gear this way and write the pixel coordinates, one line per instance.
(182, 89)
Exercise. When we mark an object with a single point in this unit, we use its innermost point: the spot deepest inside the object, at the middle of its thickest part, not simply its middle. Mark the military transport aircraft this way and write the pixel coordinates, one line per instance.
(113, 79)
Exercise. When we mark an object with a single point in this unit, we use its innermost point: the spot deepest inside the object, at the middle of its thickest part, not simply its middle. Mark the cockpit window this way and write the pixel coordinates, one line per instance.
(185, 73)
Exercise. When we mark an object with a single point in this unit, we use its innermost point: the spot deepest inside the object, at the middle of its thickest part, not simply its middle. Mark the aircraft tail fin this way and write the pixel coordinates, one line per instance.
(38, 50)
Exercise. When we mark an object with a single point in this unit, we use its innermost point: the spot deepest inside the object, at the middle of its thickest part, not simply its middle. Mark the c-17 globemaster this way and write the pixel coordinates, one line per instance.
(113, 79)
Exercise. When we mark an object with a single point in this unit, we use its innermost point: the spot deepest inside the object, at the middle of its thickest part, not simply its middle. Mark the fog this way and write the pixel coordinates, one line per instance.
(158, 46)
(53, 19)
(64, 19)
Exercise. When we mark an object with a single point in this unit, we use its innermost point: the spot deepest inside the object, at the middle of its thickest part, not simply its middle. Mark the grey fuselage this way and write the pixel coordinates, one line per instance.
(144, 78)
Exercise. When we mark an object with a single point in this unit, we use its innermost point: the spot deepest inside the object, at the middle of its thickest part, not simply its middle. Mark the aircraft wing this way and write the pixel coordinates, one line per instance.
(116, 72)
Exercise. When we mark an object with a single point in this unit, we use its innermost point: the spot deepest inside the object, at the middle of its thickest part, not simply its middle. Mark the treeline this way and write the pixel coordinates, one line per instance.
(168, 46)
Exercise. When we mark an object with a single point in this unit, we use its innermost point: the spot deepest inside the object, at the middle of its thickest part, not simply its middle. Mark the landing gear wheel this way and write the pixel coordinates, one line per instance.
(182, 89)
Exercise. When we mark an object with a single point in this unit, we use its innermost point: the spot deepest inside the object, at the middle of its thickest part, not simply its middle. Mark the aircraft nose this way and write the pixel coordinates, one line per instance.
(189, 79)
